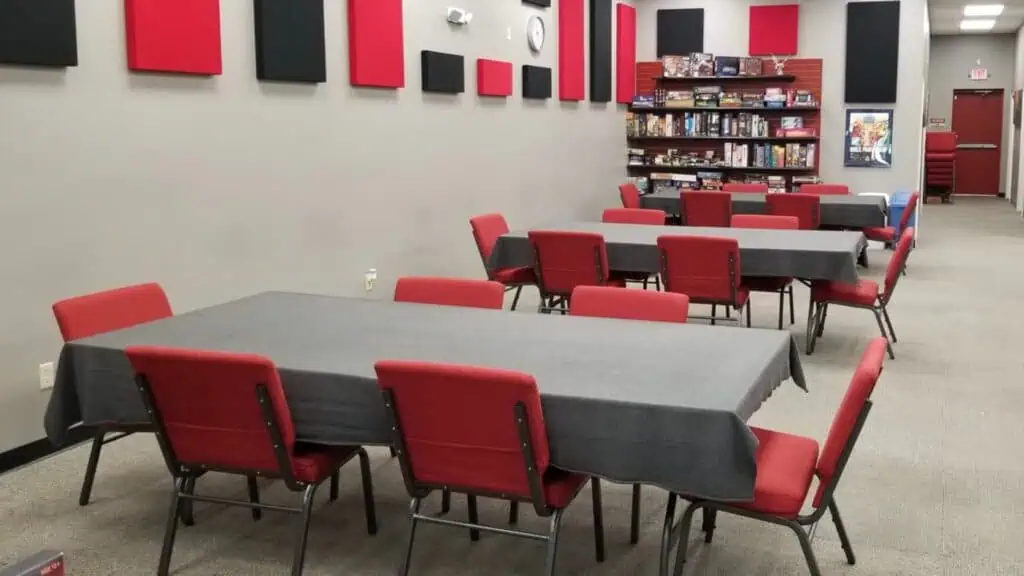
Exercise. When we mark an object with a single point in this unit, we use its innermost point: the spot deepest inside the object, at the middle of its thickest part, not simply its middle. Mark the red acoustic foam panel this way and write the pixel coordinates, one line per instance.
(625, 53)
(493, 77)
(774, 29)
(376, 51)
(181, 36)
(570, 50)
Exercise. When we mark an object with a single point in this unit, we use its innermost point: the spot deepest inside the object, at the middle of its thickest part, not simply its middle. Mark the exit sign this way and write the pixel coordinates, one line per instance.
(979, 74)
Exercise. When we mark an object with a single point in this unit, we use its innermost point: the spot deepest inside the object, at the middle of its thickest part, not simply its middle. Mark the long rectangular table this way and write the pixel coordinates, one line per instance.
(838, 211)
(657, 403)
(806, 254)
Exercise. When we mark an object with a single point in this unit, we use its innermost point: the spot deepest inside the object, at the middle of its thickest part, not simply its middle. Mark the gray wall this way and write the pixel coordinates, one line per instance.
(222, 187)
(952, 58)
(823, 35)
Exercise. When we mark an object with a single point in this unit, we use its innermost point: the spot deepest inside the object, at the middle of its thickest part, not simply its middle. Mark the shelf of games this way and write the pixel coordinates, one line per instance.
(700, 121)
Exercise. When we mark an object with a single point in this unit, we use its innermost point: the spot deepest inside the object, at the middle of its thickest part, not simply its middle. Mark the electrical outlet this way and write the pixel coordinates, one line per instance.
(369, 279)
(46, 375)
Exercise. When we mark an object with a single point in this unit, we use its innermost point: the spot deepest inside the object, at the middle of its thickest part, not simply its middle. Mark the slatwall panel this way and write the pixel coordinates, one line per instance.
(807, 71)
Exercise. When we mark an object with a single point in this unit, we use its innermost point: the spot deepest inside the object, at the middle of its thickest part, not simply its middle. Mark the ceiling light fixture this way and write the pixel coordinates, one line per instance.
(977, 25)
(989, 10)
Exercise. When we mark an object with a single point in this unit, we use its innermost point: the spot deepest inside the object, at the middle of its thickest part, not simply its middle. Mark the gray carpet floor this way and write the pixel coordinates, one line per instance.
(934, 486)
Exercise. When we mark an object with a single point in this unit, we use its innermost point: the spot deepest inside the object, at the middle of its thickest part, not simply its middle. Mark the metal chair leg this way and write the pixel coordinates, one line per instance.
(684, 537)
(657, 283)
(792, 308)
(888, 323)
(595, 488)
(881, 328)
(303, 529)
(841, 530)
(821, 318)
(392, 450)
(645, 282)
(446, 501)
(708, 526)
(187, 514)
(634, 516)
(254, 496)
(748, 312)
(90, 468)
(714, 312)
(414, 510)
(666, 535)
(335, 485)
(805, 545)
(474, 533)
(513, 512)
(555, 524)
(782, 306)
(515, 299)
(368, 506)
(171, 529)
(812, 325)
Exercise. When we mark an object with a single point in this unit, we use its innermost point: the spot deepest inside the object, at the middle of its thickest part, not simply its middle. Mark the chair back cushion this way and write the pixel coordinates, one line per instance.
(706, 208)
(566, 259)
(459, 427)
(209, 407)
(633, 216)
(609, 302)
(806, 207)
(630, 195)
(897, 262)
(450, 292)
(487, 228)
(940, 142)
(746, 187)
(764, 222)
(825, 189)
(908, 210)
(84, 316)
(704, 268)
(840, 435)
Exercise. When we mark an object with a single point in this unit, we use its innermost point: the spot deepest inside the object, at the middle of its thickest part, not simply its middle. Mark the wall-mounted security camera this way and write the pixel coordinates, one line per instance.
(459, 16)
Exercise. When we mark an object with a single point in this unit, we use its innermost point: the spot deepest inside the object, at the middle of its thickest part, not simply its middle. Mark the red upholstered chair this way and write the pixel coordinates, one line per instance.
(226, 412)
(92, 314)
(825, 189)
(864, 294)
(705, 208)
(630, 195)
(786, 466)
(566, 259)
(487, 229)
(806, 207)
(889, 234)
(774, 285)
(707, 270)
(477, 431)
(746, 187)
(600, 302)
(450, 292)
(636, 216)
(633, 216)
(940, 164)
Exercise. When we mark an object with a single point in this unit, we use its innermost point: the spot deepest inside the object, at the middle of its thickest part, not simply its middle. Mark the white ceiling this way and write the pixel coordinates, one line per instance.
(947, 14)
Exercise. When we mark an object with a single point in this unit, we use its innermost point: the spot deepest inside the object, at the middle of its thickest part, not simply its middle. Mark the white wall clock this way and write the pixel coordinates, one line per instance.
(535, 33)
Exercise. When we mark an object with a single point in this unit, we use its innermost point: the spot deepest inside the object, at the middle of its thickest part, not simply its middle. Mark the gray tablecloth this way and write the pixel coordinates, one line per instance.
(658, 403)
(806, 254)
(839, 211)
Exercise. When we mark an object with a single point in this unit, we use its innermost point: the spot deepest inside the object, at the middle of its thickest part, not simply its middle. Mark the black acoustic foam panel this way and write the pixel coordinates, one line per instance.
(442, 72)
(872, 51)
(536, 82)
(600, 50)
(38, 33)
(290, 40)
(680, 32)
(541, 3)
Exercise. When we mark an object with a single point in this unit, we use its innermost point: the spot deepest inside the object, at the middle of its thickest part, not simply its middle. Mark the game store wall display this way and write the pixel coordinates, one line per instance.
(868, 138)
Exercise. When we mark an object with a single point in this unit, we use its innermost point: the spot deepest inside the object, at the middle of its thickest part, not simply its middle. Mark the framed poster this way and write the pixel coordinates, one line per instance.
(868, 141)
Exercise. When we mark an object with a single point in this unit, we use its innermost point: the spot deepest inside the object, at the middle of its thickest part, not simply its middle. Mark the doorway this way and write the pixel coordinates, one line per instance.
(978, 123)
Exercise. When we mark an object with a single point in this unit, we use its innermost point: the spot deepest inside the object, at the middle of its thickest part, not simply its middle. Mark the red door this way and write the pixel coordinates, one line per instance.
(978, 123)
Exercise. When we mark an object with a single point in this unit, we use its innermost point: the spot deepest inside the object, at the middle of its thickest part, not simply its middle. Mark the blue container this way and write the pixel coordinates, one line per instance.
(897, 204)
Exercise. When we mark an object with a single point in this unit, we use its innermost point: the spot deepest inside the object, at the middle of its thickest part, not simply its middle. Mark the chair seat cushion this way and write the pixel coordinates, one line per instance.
(312, 463)
(561, 487)
(618, 280)
(880, 233)
(863, 293)
(517, 275)
(785, 467)
(766, 283)
(742, 294)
